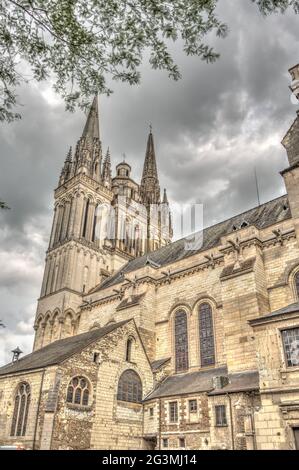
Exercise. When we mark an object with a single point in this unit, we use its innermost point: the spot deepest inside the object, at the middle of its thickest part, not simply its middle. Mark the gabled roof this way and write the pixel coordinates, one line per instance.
(59, 351)
(262, 216)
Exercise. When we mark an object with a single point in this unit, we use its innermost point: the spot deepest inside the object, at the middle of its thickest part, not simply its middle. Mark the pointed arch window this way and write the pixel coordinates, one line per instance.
(21, 408)
(78, 391)
(129, 349)
(181, 341)
(206, 335)
(129, 387)
(84, 231)
(297, 283)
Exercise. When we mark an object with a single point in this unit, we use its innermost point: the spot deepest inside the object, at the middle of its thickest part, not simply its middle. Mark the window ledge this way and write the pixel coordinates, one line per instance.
(221, 425)
(78, 407)
(289, 369)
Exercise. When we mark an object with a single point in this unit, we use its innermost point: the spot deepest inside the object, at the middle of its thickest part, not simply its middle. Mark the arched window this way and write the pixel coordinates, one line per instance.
(78, 391)
(297, 283)
(20, 414)
(85, 219)
(206, 335)
(129, 387)
(129, 349)
(181, 341)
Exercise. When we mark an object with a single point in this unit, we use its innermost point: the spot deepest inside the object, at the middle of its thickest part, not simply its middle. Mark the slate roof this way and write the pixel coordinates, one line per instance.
(58, 351)
(292, 308)
(262, 216)
(202, 381)
(156, 365)
(182, 384)
(242, 382)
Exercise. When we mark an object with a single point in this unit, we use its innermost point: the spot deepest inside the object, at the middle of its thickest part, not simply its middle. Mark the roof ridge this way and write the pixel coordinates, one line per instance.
(66, 355)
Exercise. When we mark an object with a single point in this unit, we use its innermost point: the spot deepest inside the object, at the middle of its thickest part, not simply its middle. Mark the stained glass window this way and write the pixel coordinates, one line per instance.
(181, 341)
(78, 391)
(21, 408)
(297, 283)
(129, 387)
(206, 335)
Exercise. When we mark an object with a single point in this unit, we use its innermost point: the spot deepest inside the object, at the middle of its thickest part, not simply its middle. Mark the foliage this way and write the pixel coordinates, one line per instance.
(80, 44)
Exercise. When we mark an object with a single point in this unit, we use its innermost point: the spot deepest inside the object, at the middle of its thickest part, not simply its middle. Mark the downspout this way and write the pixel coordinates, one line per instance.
(38, 408)
(231, 421)
(159, 445)
(253, 424)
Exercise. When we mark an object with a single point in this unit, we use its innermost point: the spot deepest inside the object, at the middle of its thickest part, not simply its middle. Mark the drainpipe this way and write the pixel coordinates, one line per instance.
(253, 424)
(159, 437)
(38, 408)
(231, 420)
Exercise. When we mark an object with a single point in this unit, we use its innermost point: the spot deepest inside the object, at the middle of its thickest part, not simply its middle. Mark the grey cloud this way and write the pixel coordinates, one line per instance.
(211, 129)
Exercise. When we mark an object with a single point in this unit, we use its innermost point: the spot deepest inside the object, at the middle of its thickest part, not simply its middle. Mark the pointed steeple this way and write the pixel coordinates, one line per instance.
(149, 188)
(88, 155)
(92, 127)
(150, 165)
(165, 198)
(107, 174)
(67, 168)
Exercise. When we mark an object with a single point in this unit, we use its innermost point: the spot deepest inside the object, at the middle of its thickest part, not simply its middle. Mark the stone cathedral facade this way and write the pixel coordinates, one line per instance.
(142, 344)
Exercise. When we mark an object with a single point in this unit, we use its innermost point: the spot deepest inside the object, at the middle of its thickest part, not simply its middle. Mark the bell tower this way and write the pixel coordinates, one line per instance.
(77, 259)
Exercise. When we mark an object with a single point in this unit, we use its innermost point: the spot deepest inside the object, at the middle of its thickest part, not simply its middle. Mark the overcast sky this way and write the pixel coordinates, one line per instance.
(211, 129)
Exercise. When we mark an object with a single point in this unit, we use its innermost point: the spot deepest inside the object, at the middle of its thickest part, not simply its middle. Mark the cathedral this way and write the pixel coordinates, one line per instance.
(141, 343)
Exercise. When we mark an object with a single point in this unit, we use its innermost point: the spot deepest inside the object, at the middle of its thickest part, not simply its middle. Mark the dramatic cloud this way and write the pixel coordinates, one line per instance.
(211, 130)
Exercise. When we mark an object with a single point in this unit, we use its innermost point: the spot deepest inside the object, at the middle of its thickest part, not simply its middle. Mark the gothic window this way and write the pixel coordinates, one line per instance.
(290, 340)
(21, 408)
(297, 284)
(206, 335)
(95, 221)
(181, 341)
(85, 219)
(129, 350)
(78, 391)
(129, 387)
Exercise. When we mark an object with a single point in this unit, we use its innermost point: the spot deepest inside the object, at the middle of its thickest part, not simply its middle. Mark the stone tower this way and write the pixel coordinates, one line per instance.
(76, 260)
(291, 144)
(99, 224)
(159, 228)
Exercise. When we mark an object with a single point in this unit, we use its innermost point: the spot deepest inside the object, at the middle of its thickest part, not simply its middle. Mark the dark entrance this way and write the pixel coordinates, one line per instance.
(296, 436)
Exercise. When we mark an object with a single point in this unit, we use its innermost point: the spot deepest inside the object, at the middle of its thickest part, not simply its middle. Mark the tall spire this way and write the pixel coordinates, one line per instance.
(150, 165)
(106, 174)
(165, 198)
(88, 155)
(92, 127)
(150, 189)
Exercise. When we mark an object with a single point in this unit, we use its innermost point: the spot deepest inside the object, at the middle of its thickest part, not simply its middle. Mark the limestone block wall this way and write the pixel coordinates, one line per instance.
(39, 381)
(119, 425)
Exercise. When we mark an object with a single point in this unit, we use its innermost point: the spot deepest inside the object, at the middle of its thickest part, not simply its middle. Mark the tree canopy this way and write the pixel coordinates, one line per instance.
(80, 44)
